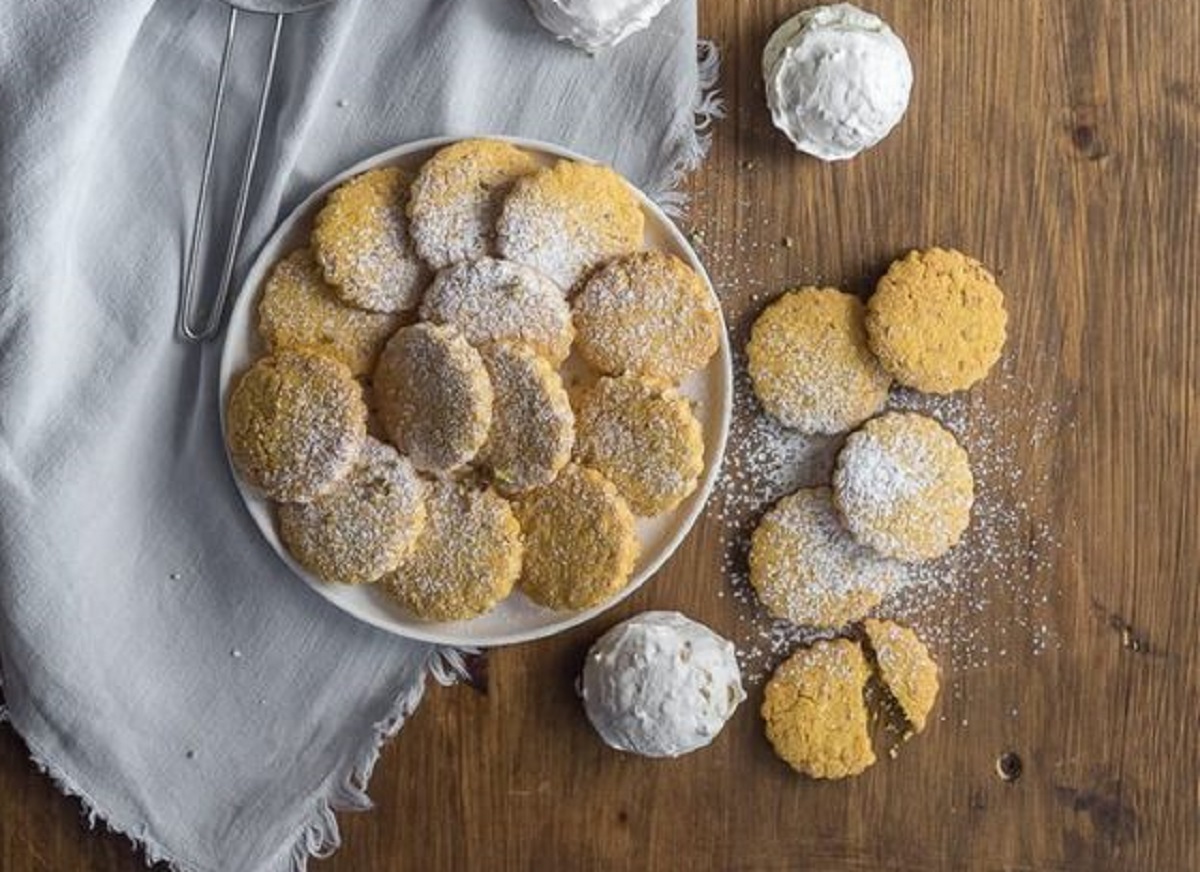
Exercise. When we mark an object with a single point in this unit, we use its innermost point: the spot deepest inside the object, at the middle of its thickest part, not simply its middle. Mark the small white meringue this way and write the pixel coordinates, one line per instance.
(593, 25)
(838, 80)
(660, 685)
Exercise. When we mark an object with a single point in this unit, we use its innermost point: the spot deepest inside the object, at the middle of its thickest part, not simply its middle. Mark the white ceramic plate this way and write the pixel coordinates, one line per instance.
(516, 619)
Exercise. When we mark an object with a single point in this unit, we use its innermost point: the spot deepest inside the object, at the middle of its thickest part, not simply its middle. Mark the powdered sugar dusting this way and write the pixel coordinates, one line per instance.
(878, 471)
(567, 219)
(988, 599)
(989, 587)
(362, 242)
(492, 300)
(807, 567)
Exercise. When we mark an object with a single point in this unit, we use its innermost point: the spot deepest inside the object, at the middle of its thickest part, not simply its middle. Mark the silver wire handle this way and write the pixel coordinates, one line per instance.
(202, 329)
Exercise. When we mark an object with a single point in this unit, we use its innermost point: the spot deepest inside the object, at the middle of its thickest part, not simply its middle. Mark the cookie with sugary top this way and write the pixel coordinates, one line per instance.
(362, 527)
(814, 713)
(647, 314)
(295, 424)
(904, 487)
(807, 568)
(810, 365)
(905, 667)
(566, 220)
(466, 559)
(492, 300)
(937, 320)
(433, 396)
(456, 197)
(644, 437)
(580, 544)
(533, 427)
(361, 240)
(298, 310)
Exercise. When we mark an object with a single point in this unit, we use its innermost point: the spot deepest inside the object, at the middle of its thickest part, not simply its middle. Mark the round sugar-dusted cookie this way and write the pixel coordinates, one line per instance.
(566, 220)
(466, 559)
(364, 525)
(810, 365)
(360, 239)
(295, 425)
(644, 438)
(904, 486)
(647, 314)
(814, 713)
(298, 310)
(937, 321)
(492, 300)
(533, 427)
(580, 545)
(434, 396)
(456, 197)
(807, 568)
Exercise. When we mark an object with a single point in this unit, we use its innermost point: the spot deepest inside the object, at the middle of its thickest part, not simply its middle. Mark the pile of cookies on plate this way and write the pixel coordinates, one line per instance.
(410, 417)
(901, 493)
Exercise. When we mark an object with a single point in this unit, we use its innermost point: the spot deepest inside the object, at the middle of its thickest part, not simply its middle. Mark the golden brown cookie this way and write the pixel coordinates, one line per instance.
(492, 300)
(295, 425)
(466, 559)
(360, 239)
(647, 314)
(814, 712)
(568, 219)
(362, 527)
(533, 427)
(806, 567)
(456, 198)
(810, 365)
(905, 667)
(644, 438)
(434, 396)
(580, 545)
(299, 310)
(937, 321)
(904, 486)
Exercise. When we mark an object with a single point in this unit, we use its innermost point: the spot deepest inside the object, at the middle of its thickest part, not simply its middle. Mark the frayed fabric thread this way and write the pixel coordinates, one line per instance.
(693, 138)
(319, 835)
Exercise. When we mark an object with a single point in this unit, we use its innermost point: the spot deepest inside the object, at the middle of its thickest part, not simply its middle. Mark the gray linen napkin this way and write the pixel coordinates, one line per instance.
(158, 658)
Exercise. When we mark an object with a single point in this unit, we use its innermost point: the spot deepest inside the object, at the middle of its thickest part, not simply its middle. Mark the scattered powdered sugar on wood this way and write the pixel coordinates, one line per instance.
(990, 597)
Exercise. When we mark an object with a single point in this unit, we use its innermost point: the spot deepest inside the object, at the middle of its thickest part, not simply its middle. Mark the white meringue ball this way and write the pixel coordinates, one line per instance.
(595, 24)
(838, 80)
(660, 685)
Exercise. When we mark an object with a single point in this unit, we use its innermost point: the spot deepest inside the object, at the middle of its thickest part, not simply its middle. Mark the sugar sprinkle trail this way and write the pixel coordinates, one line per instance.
(988, 599)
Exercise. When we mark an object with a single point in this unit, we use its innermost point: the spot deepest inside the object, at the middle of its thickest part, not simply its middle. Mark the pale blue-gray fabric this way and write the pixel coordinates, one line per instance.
(157, 657)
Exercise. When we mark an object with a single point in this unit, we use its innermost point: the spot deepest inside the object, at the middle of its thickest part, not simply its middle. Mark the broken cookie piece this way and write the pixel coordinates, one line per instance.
(814, 711)
(905, 668)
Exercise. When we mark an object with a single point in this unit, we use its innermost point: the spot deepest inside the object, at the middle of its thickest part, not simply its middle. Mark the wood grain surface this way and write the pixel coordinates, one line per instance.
(1059, 142)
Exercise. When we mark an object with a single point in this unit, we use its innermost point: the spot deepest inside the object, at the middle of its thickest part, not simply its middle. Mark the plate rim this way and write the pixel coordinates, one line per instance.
(680, 531)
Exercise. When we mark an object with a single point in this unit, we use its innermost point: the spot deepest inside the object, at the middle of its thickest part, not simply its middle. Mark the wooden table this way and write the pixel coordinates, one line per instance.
(1059, 142)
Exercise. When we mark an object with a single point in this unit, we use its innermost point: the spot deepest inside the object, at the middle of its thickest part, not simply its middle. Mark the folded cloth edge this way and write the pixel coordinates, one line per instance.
(318, 834)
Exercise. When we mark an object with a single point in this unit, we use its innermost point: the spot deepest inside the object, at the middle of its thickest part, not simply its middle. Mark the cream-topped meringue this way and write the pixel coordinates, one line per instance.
(837, 79)
(593, 25)
(660, 685)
